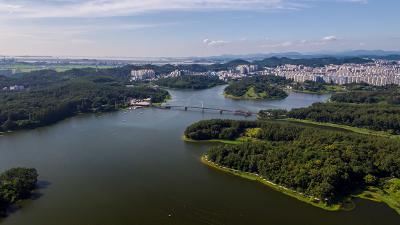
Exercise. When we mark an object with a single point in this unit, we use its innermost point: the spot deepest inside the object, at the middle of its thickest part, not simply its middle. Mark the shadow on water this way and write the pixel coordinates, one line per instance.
(26, 202)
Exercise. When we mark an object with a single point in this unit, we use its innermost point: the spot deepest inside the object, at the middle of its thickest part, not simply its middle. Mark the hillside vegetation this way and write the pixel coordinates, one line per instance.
(258, 87)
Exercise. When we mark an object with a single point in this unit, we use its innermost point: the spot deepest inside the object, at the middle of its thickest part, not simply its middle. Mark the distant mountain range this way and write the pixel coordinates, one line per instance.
(376, 54)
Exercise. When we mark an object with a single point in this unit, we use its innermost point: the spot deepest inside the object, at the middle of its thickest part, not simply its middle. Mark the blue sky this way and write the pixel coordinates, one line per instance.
(152, 28)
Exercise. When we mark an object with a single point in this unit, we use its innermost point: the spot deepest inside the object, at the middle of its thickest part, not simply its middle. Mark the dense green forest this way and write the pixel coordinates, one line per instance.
(190, 82)
(389, 94)
(310, 86)
(362, 106)
(326, 164)
(379, 117)
(16, 184)
(258, 87)
(46, 101)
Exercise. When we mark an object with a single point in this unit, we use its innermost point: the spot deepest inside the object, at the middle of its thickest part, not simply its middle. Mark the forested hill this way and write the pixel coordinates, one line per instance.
(363, 106)
(369, 95)
(265, 87)
(47, 101)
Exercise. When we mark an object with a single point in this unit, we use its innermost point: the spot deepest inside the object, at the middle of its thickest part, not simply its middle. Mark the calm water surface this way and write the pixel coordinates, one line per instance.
(132, 167)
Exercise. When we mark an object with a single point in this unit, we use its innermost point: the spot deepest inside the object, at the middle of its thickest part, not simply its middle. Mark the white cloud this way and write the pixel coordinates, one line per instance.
(215, 43)
(329, 38)
(106, 8)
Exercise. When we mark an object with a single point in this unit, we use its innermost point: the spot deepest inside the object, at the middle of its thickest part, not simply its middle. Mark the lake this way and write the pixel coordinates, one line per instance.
(131, 167)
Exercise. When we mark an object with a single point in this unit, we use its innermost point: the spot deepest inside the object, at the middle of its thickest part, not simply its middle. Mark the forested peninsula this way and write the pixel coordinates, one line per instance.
(324, 154)
(51, 96)
(365, 107)
(320, 166)
(258, 87)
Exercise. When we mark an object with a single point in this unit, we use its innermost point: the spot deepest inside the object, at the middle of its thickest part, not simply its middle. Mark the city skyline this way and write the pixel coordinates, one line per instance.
(177, 28)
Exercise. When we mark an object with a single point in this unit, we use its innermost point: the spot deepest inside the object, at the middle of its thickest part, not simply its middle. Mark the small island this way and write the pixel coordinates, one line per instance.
(317, 165)
(16, 184)
(257, 88)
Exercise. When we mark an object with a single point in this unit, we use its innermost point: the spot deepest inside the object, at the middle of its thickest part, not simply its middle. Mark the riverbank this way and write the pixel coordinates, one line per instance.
(389, 195)
(231, 142)
(166, 99)
(299, 196)
(119, 108)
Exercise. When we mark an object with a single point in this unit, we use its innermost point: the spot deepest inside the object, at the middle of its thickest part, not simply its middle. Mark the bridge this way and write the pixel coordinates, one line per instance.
(203, 109)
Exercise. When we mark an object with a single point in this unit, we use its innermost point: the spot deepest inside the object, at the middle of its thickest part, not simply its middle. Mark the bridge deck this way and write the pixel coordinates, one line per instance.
(221, 110)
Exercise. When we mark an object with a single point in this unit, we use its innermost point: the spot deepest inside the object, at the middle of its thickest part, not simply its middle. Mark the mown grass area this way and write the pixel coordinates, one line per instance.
(335, 88)
(389, 193)
(329, 89)
(255, 177)
(252, 95)
(345, 127)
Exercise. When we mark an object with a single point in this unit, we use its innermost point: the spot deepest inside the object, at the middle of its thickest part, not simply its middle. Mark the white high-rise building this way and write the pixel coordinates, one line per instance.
(142, 74)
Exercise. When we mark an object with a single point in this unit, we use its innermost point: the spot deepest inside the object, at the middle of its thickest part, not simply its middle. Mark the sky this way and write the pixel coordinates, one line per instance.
(181, 28)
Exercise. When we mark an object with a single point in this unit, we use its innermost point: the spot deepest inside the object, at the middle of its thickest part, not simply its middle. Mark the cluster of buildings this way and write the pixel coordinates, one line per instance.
(378, 73)
(246, 69)
(14, 88)
(177, 73)
(239, 72)
(139, 103)
(144, 74)
(149, 74)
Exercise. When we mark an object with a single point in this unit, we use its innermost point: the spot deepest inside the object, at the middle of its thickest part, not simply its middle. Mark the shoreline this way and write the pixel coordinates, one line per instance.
(254, 98)
(119, 109)
(255, 177)
(232, 142)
